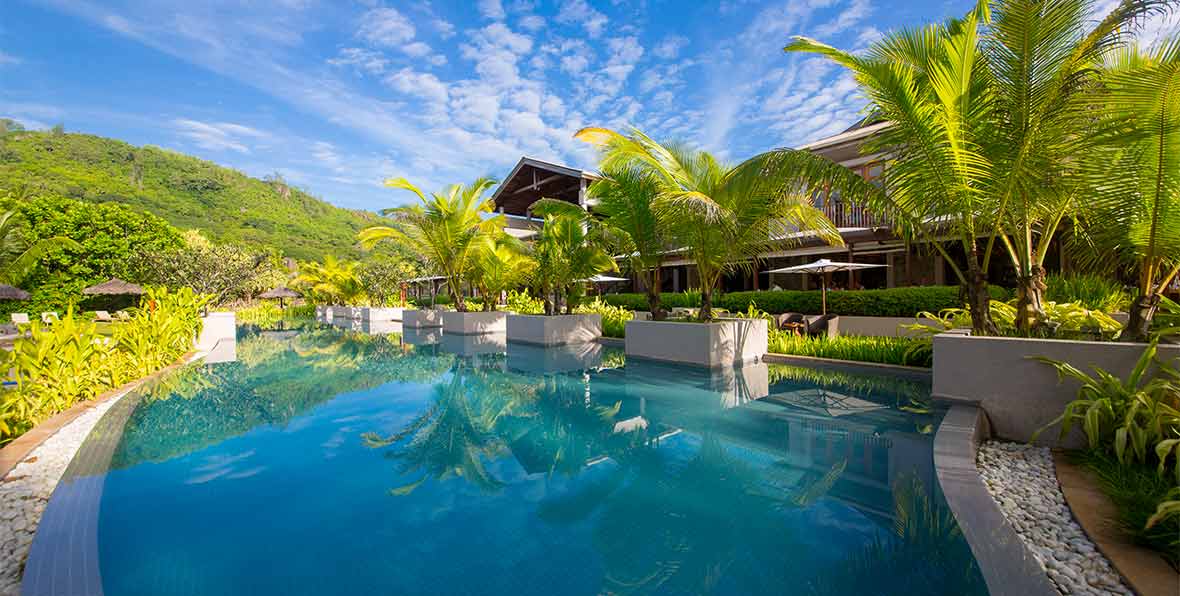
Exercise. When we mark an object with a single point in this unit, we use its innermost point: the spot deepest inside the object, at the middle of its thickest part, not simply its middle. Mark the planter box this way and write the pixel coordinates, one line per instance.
(532, 358)
(345, 312)
(709, 391)
(473, 323)
(557, 330)
(370, 313)
(380, 327)
(219, 337)
(711, 345)
(419, 319)
(1018, 394)
(880, 326)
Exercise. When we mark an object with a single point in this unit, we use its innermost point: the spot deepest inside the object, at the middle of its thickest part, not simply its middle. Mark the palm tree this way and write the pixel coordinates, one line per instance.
(722, 216)
(500, 264)
(18, 256)
(625, 203)
(1137, 145)
(444, 229)
(333, 282)
(568, 251)
(985, 140)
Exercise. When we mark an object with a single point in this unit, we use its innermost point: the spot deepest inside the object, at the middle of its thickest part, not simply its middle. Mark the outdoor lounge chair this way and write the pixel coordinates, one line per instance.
(122, 316)
(49, 318)
(821, 325)
(20, 318)
(791, 321)
(102, 316)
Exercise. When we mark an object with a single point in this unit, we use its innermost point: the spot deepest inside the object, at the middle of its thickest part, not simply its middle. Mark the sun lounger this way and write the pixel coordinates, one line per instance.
(20, 318)
(49, 318)
(103, 316)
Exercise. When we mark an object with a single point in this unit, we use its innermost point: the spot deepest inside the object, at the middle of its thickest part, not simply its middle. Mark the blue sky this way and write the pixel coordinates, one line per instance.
(339, 95)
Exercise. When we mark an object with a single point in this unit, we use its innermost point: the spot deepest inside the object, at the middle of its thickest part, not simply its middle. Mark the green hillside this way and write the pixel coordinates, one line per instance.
(225, 204)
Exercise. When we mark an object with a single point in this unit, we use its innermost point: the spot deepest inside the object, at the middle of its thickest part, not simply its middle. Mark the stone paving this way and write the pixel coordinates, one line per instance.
(1023, 481)
(27, 488)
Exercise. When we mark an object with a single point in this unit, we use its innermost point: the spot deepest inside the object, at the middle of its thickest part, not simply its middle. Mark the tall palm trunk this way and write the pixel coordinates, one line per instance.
(1138, 328)
(978, 298)
(1030, 306)
(653, 295)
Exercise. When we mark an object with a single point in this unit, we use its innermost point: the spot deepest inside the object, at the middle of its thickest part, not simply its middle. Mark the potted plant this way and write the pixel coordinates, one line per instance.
(567, 253)
(721, 218)
(446, 230)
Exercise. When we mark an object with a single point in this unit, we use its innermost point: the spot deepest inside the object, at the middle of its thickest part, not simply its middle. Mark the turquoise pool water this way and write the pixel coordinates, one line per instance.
(324, 461)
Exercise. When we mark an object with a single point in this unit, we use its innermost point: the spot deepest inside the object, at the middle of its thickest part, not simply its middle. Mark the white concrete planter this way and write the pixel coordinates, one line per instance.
(474, 323)
(370, 313)
(1021, 395)
(715, 389)
(474, 344)
(880, 326)
(380, 327)
(720, 343)
(556, 330)
(533, 358)
(219, 337)
(424, 336)
(419, 319)
(345, 312)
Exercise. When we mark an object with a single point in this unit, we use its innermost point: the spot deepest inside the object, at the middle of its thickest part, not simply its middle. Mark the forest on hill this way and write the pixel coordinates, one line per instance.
(189, 193)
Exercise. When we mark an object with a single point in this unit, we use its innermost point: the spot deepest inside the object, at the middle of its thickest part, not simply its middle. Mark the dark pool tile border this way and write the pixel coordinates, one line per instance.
(1142, 568)
(614, 342)
(20, 448)
(1008, 566)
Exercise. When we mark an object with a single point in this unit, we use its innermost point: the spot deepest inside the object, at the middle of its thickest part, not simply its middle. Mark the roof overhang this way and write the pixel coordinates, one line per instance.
(533, 179)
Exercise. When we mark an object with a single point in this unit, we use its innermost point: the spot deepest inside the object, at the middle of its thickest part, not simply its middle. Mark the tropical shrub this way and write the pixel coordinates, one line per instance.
(1095, 292)
(892, 302)
(522, 303)
(567, 252)
(639, 302)
(1069, 321)
(1135, 421)
(884, 350)
(614, 318)
(332, 282)
(268, 313)
(58, 365)
(226, 272)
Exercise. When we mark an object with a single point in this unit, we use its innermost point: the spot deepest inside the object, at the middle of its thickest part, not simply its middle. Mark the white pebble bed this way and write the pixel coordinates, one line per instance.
(1023, 481)
(25, 490)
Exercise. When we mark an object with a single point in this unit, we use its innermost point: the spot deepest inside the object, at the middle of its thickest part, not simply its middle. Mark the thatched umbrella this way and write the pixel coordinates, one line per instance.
(114, 287)
(280, 293)
(8, 292)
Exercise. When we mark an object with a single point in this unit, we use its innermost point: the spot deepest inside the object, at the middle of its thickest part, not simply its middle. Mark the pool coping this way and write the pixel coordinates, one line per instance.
(20, 448)
(878, 367)
(1145, 570)
(1007, 565)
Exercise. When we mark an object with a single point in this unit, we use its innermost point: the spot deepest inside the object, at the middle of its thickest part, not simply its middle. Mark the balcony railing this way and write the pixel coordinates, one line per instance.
(846, 215)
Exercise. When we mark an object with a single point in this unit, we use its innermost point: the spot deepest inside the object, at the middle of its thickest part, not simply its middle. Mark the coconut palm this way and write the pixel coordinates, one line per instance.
(985, 142)
(333, 281)
(723, 216)
(499, 264)
(445, 228)
(568, 252)
(1134, 176)
(18, 256)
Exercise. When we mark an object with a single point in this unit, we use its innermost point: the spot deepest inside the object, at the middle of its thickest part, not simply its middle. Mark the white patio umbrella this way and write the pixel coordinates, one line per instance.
(601, 279)
(824, 266)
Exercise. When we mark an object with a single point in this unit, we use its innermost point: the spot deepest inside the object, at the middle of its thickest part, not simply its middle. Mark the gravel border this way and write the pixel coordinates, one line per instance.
(1023, 481)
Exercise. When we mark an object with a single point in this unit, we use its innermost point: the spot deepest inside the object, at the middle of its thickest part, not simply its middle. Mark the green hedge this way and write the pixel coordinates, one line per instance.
(895, 302)
(667, 299)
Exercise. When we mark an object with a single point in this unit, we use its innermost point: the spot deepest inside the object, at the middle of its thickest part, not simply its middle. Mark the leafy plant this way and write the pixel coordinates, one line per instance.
(1137, 418)
(56, 366)
(1061, 320)
(332, 282)
(567, 253)
(885, 350)
(1092, 291)
(614, 318)
(522, 303)
(499, 263)
(18, 254)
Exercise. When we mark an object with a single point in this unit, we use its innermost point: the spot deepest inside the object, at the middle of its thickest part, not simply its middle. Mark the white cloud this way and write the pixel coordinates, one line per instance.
(385, 27)
(444, 28)
(492, 9)
(670, 47)
(361, 58)
(218, 136)
(855, 12)
(579, 11)
(420, 84)
(532, 23)
(8, 59)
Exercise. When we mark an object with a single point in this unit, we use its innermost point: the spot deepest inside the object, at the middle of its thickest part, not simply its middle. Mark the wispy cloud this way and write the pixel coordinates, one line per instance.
(218, 136)
(8, 59)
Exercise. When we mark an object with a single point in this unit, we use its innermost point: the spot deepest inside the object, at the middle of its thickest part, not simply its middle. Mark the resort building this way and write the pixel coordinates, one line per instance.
(868, 237)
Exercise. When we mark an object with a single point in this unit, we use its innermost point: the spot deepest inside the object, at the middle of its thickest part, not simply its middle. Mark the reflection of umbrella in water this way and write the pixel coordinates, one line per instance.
(280, 293)
(8, 292)
(821, 267)
(114, 287)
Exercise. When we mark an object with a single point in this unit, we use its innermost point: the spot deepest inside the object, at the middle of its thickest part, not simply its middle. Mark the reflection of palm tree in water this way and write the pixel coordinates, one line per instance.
(678, 527)
(453, 436)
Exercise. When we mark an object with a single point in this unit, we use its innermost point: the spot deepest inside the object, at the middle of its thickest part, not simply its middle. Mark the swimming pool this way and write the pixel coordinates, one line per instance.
(327, 461)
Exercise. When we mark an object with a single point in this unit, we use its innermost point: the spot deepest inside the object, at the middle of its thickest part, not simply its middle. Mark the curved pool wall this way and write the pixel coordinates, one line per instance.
(314, 465)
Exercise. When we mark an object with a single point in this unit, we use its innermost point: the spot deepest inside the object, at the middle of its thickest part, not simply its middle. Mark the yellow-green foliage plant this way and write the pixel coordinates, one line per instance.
(55, 366)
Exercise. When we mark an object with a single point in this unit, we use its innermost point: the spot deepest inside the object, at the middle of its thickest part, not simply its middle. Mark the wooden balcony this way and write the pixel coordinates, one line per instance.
(846, 215)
